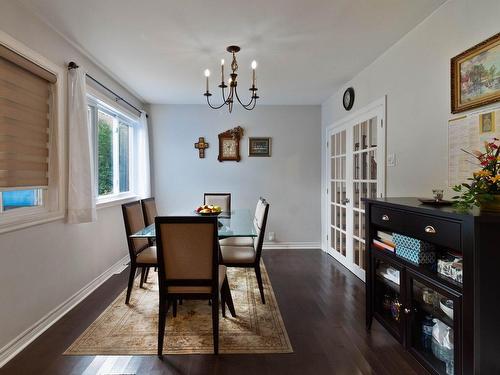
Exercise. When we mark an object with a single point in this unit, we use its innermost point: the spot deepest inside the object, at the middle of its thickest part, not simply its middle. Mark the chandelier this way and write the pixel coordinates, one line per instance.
(232, 84)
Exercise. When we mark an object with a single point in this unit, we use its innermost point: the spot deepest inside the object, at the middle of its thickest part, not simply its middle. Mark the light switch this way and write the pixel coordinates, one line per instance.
(391, 160)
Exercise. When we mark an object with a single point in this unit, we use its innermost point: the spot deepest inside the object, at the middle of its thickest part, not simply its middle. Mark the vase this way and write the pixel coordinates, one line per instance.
(490, 205)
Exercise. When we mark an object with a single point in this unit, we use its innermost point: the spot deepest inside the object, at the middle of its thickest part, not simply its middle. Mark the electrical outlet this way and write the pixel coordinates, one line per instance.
(391, 160)
(270, 236)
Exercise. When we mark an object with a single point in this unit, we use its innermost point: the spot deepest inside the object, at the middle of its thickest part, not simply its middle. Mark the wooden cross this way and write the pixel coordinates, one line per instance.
(201, 145)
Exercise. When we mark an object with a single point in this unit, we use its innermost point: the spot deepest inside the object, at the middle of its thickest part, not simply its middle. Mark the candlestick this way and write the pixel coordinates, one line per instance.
(254, 66)
(222, 67)
(207, 74)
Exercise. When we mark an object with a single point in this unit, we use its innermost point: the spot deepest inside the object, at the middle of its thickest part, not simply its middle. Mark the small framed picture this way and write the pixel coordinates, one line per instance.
(259, 146)
(487, 122)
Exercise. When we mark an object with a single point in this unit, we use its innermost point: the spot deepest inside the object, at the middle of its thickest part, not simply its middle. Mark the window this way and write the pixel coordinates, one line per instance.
(113, 134)
(30, 182)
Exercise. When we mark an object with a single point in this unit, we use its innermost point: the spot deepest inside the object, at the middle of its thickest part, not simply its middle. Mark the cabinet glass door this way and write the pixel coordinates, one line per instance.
(433, 328)
(388, 303)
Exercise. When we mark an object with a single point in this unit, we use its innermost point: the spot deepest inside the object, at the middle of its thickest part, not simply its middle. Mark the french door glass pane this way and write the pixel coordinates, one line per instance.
(364, 183)
(105, 153)
(338, 187)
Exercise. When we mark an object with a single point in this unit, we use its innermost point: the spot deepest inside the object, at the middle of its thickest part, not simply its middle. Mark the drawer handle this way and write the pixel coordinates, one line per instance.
(430, 229)
(385, 217)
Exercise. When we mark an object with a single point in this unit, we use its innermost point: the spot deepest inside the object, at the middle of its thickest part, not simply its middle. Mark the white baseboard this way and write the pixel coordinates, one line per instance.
(291, 245)
(25, 338)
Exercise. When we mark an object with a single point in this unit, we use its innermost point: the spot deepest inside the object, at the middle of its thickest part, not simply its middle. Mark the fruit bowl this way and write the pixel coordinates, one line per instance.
(208, 210)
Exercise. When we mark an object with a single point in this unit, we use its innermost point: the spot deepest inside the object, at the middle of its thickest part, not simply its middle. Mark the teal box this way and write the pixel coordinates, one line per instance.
(415, 256)
(412, 243)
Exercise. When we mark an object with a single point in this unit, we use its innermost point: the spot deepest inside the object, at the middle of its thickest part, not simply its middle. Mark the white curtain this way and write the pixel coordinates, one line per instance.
(143, 181)
(81, 185)
(53, 191)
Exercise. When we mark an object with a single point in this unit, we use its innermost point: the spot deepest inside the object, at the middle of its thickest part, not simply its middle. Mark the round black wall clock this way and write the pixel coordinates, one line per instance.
(348, 99)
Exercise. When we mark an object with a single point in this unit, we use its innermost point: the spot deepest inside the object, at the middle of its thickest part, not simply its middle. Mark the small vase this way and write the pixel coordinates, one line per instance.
(490, 205)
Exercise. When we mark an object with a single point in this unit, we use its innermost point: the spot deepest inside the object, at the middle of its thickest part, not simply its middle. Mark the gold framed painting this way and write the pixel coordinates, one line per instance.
(259, 146)
(475, 76)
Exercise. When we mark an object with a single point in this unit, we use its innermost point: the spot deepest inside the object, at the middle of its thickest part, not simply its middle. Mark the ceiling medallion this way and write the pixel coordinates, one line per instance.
(232, 84)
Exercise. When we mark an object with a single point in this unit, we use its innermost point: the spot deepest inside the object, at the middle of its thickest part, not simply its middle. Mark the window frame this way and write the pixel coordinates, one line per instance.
(97, 101)
(54, 196)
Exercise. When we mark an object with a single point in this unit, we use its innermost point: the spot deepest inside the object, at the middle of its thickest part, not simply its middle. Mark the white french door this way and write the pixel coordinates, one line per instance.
(355, 170)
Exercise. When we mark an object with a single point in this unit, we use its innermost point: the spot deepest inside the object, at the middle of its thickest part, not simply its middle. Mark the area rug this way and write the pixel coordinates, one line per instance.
(133, 329)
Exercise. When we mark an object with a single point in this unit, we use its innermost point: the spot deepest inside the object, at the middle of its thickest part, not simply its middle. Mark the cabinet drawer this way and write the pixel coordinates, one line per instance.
(388, 218)
(434, 230)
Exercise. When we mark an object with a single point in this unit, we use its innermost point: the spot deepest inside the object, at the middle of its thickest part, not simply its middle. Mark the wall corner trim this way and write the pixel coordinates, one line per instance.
(15, 346)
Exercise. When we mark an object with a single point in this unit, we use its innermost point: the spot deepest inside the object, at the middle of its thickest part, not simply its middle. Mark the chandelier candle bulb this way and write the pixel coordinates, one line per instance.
(207, 74)
(222, 68)
(254, 66)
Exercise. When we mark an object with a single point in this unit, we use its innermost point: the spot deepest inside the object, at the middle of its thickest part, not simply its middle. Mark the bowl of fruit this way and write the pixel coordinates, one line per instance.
(208, 210)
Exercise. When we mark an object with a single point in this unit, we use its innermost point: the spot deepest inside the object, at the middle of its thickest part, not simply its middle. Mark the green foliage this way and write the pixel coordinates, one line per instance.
(485, 183)
(105, 157)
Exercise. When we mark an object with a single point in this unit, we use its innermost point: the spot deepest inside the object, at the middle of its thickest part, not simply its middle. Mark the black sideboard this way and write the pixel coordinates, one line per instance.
(406, 304)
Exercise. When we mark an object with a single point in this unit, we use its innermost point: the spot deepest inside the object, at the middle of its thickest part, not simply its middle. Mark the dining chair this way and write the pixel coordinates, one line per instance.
(223, 200)
(142, 254)
(246, 251)
(149, 210)
(188, 268)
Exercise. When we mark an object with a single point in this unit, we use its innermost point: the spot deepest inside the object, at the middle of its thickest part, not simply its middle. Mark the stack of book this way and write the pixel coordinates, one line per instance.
(384, 241)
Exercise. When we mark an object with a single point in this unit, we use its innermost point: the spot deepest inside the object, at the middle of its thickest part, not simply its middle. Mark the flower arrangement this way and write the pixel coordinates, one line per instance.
(484, 187)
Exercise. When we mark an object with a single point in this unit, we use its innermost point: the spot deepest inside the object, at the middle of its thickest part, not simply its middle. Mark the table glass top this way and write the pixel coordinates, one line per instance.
(237, 224)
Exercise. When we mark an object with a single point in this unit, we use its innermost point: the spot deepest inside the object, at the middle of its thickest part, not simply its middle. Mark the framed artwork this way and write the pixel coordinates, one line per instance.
(487, 122)
(475, 76)
(259, 146)
(229, 145)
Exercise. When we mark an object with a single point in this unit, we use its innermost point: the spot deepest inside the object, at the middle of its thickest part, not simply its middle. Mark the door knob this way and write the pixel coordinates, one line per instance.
(345, 201)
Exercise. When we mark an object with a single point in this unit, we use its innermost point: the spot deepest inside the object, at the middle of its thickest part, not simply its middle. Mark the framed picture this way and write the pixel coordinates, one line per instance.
(259, 146)
(487, 122)
(475, 76)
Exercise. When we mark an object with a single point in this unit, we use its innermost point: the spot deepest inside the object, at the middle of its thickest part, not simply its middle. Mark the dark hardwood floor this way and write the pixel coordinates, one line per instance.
(322, 305)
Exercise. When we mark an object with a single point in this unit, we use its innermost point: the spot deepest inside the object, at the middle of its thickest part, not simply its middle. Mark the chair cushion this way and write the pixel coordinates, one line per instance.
(237, 254)
(147, 256)
(236, 241)
(199, 289)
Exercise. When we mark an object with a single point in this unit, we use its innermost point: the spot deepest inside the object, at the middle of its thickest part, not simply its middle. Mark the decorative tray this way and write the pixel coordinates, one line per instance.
(433, 202)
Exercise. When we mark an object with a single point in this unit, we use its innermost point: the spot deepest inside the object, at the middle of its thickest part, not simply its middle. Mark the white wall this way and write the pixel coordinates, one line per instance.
(289, 180)
(44, 265)
(415, 76)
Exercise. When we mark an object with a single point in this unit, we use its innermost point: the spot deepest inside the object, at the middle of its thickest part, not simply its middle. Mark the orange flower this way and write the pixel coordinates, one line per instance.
(495, 179)
(483, 173)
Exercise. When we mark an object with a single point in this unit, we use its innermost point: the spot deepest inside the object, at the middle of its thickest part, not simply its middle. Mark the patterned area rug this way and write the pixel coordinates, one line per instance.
(133, 329)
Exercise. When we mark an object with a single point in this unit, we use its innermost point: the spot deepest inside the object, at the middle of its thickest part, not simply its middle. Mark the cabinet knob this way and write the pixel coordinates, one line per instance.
(407, 310)
(385, 217)
(430, 229)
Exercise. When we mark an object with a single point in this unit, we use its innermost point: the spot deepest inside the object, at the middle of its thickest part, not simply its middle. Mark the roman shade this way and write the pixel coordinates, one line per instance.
(25, 95)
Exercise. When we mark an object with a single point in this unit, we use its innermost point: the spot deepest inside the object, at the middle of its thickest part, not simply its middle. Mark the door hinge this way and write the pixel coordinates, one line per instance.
(326, 190)
(381, 123)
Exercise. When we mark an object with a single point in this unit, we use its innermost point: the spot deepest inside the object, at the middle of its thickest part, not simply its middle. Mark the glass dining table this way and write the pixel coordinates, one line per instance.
(238, 223)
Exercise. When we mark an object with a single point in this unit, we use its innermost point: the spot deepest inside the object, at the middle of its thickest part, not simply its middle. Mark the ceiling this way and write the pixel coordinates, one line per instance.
(305, 48)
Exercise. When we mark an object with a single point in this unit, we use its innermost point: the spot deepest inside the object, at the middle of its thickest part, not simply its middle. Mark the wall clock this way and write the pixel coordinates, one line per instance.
(229, 144)
(348, 99)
